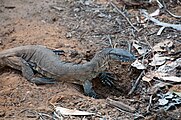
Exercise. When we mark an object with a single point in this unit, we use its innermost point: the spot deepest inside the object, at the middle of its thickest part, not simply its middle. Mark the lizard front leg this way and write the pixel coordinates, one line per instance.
(88, 90)
(107, 78)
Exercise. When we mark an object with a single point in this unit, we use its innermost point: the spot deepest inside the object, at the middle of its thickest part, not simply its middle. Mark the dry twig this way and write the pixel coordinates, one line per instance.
(43, 114)
(136, 83)
(123, 16)
(150, 102)
(110, 41)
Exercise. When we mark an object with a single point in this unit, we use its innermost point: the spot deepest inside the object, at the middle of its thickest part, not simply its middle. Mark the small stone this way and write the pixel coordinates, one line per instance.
(2, 113)
(77, 10)
(104, 106)
(68, 35)
(92, 108)
(1, 41)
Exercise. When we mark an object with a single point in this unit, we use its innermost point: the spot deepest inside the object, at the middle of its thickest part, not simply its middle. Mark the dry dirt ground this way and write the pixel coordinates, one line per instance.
(80, 29)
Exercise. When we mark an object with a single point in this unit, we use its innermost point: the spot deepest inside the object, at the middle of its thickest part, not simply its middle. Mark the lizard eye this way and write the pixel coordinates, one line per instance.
(120, 56)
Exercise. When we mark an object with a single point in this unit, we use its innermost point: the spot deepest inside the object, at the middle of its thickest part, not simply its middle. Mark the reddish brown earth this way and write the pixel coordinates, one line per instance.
(24, 22)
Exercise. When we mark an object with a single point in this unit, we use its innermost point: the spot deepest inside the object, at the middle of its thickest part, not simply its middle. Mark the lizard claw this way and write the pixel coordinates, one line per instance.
(59, 52)
(107, 78)
(88, 90)
(93, 94)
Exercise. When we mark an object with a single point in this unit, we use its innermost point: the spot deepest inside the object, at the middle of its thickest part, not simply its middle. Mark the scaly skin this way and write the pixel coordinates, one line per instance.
(44, 61)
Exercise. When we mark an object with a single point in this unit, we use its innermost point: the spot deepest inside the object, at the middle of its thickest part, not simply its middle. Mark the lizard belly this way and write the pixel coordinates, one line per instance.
(71, 78)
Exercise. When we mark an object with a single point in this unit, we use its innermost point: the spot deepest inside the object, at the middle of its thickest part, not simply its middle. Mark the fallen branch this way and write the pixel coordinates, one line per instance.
(120, 105)
(123, 15)
(159, 23)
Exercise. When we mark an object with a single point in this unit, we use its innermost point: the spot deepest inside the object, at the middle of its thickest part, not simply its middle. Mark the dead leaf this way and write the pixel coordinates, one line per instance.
(163, 101)
(168, 67)
(161, 84)
(138, 65)
(177, 93)
(150, 75)
(139, 48)
(147, 78)
(157, 86)
(163, 76)
(167, 100)
(162, 46)
(176, 88)
(155, 13)
(169, 95)
(172, 78)
(158, 60)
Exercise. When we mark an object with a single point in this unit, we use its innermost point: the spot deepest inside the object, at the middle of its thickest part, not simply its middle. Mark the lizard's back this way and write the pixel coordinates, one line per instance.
(39, 55)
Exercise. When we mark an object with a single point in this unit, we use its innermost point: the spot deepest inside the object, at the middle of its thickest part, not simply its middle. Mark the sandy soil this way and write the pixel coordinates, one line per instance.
(80, 34)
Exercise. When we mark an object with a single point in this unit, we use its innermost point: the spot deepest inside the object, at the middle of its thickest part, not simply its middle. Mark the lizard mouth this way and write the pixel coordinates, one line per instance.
(127, 59)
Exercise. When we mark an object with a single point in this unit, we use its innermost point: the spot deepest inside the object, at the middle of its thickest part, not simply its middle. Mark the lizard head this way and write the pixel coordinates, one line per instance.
(120, 55)
(111, 55)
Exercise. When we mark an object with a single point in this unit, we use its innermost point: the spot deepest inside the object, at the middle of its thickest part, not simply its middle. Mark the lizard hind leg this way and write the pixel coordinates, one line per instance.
(20, 64)
(29, 75)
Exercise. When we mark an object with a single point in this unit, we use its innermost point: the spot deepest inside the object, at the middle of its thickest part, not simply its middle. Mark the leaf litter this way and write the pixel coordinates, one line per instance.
(162, 69)
(152, 61)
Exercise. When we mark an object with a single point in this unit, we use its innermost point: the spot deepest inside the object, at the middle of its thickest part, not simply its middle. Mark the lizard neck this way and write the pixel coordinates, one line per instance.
(98, 64)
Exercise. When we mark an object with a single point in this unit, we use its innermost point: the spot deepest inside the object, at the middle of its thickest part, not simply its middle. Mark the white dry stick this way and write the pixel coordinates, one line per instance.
(176, 16)
(159, 4)
(159, 23)
(66, 111)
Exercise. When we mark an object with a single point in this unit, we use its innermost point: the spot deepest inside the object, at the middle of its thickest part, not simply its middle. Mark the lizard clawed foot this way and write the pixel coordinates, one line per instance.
(107, 78)
(42, 81)
(92, 94)
(88, 90)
